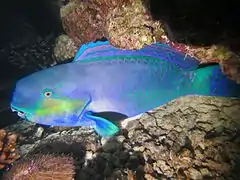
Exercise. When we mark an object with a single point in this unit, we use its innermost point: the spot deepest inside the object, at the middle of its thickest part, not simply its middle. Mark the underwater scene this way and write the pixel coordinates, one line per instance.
(119, 90)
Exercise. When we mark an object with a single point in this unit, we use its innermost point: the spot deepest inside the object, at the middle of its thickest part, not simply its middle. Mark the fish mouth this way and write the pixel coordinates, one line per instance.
(20, 113)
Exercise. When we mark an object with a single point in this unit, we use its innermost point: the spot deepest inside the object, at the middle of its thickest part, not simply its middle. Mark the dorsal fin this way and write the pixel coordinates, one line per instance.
(100, 49)
(88, 48)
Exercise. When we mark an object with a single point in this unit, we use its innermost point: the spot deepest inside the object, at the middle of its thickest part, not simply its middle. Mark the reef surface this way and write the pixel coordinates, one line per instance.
(193, 137)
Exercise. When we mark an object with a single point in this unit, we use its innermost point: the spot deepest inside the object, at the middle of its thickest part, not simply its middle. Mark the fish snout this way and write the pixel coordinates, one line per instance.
(19, 112)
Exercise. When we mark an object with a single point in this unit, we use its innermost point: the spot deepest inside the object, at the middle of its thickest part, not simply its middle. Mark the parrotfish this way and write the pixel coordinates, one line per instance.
(103, 78)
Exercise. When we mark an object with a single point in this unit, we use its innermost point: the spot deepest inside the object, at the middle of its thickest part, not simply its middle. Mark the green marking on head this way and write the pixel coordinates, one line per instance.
(58, 106)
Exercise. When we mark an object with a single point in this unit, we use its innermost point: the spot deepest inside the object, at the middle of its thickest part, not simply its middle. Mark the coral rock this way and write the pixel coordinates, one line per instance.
(130, 26)
(86, 21)
(82, 22)
(229, 61)
(42, 167)
(107, 3)
(64, 48)
(205, 54)
(231, 67)
(8, 152)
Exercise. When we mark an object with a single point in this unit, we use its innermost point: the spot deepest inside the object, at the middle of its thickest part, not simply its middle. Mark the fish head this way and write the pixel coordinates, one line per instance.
(46, 97)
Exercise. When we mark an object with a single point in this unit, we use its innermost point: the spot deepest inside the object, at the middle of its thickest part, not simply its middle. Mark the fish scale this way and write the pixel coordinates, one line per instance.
(149, 77)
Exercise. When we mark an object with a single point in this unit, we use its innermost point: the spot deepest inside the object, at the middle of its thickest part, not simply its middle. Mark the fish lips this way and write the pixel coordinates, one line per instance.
(19, 111)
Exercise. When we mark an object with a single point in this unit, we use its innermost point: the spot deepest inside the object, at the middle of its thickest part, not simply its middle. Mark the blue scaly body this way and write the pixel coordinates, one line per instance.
(103, 78)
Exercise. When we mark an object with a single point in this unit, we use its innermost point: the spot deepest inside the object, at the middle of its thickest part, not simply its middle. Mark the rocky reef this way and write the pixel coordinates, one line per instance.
(189, 138)
(42, 167)
(128, 24)
(8, 152)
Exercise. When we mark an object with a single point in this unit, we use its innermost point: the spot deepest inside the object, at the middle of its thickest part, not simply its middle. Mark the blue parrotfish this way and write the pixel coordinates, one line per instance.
(103, 78)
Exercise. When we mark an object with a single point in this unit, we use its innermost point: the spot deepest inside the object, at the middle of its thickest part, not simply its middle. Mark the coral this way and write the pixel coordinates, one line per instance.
(229, 60)
(231, 67)
(86, 21)
(107, 3)
(42, 167)
(82, 22)
(205, 54)
(131, 26)
(64, 48)
(8, 152)
(127, 24)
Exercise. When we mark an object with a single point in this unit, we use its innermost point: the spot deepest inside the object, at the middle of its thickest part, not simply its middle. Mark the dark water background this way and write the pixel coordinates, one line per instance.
(23, 22)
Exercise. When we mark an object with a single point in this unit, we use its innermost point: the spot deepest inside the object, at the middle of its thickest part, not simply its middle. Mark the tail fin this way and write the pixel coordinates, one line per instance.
(210, 81)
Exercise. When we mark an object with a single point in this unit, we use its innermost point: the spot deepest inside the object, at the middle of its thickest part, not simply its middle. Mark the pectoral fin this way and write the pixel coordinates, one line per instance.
(102, 126)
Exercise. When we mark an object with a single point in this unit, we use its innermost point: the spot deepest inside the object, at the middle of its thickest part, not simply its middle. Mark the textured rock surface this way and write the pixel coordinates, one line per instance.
(231, 67)
(64, 48)
(131, 26)
(189, 138)
(82, 22)
(7, 148)
(42, 167)
(128, 24)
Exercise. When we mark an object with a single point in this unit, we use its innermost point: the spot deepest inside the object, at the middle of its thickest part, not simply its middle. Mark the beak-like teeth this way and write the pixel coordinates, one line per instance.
(13, 110)
(20, 114)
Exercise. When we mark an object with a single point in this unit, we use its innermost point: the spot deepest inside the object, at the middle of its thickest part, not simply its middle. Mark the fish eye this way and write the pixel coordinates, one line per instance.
(47, 93)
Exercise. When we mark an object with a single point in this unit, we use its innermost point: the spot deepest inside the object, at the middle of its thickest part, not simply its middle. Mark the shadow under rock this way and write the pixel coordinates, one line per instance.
(43, 15)
(235, 170)
(77, 150)
(113, 161)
